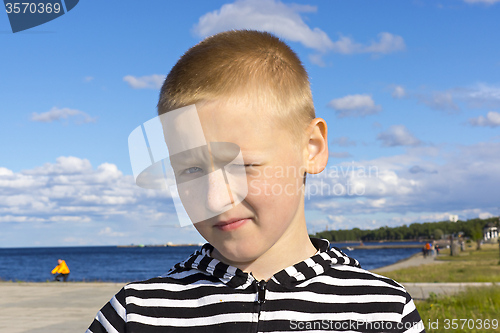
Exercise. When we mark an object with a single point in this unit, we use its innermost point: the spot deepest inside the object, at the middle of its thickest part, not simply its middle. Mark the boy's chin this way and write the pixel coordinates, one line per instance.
(241, 252)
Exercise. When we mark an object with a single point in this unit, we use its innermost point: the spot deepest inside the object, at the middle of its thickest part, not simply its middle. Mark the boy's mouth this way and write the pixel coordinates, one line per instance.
(231, 224)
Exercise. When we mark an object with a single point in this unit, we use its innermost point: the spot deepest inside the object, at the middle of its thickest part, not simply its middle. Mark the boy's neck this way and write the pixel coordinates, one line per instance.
(294, 247)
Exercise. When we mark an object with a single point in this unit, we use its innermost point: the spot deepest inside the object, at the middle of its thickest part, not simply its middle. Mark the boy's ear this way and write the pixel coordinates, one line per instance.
(316, 151)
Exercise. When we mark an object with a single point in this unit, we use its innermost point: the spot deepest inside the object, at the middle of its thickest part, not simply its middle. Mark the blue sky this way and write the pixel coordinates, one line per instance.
(408, 88)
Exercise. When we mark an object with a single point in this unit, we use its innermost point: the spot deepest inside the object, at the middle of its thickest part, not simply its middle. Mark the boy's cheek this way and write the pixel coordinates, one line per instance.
(258, 187)
(254, 188)
(279, 187)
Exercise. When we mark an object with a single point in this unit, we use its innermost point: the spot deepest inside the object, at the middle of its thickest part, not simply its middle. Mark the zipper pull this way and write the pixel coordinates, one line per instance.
(262, 291)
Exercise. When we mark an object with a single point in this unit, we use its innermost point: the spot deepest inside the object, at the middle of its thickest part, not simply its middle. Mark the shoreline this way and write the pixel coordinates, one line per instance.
(390, 246)
(416, 259)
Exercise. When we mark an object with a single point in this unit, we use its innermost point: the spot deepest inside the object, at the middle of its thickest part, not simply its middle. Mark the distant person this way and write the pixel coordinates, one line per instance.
(437, 249)
(61, 270)
(427, 249)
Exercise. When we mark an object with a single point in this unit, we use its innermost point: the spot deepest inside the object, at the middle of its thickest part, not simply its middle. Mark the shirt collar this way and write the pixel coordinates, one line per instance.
(290, 276)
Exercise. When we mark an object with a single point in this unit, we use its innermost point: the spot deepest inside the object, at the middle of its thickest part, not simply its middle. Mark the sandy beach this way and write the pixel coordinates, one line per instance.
(52, 307)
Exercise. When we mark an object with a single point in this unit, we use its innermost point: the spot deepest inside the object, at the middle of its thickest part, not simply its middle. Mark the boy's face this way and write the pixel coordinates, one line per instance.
(273, 208)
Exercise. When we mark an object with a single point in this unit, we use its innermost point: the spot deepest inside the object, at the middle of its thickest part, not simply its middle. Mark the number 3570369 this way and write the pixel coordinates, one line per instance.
(32, 8)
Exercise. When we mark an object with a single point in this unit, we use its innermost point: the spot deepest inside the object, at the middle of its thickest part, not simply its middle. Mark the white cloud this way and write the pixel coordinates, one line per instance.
(378, 203)
(476, 96)
(336, 222)
(397, 135)
(479, 96)
(387, 43)
(346, 45)
(485, 2)
(154, 81)
(5, 172)
(461, 180)
(108, 232)
(64, 113)
(399, 92)
(285, 21)
(62, 218)
(419, 169)
(65, 165)
(88, 78)
(442, 101)
(354, 106)
(485, 215)
(11, 218)
(317, 59)
(274, 16)
(71, 190)
(492, 119)
(343, 141)
(341, 154)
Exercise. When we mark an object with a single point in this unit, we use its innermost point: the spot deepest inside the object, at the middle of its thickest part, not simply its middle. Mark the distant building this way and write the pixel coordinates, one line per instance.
(453, 218)
(490, 232)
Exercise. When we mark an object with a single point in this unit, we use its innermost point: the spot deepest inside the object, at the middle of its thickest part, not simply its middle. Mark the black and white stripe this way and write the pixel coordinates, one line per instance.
(202, 294)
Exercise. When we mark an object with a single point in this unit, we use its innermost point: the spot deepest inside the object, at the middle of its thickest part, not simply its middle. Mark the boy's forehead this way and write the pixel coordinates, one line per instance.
(182, 130)
(235, 117)
(195, 126)
(247, 124)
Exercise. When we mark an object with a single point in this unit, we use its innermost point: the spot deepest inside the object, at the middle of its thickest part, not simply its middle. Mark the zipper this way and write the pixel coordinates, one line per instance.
(262, 292)
(261, 299)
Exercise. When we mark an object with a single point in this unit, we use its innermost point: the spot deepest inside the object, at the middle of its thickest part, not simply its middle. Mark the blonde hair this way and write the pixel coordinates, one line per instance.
(245, 63)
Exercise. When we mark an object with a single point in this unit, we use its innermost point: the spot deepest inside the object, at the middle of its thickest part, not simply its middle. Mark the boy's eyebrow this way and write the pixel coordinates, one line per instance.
(252, 154)
(224, 151)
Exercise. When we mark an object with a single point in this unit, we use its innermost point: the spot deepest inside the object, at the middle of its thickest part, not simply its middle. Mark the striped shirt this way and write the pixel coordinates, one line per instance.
(328, 292)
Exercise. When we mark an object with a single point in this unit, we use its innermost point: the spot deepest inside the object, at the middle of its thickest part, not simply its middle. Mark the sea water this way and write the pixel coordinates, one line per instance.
(118, 264)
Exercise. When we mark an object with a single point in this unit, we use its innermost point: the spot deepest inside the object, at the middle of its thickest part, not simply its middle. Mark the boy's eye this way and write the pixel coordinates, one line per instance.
(192, 170)
(240, 168)
(242, 165)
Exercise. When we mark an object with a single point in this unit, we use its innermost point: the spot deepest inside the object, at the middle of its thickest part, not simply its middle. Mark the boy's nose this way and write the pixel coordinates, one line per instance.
(219, 196)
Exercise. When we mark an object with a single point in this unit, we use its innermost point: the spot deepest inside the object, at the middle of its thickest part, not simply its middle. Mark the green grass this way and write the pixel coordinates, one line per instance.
(477, 304)
(470, 266)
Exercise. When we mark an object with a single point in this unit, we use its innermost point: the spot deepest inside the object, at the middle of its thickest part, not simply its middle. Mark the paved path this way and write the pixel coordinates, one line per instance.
(422, 290)
(51, 307)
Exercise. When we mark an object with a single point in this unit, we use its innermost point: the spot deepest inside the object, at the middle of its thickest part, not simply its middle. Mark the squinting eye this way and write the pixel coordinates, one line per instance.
(192, 170)
(241, 165)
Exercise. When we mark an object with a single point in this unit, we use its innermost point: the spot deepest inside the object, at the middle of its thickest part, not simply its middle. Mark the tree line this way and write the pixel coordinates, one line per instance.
(472, 229)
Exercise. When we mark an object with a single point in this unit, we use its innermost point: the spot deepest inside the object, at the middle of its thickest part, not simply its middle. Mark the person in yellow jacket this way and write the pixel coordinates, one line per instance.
(61, 270)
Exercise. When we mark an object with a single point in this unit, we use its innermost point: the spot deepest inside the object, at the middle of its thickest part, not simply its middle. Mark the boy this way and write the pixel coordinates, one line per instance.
(260, 272)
